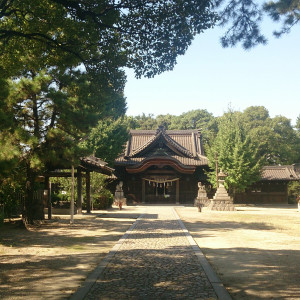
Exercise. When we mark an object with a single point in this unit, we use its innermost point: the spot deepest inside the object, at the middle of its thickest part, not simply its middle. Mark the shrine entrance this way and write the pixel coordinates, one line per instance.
(162, 166)
(160, 190)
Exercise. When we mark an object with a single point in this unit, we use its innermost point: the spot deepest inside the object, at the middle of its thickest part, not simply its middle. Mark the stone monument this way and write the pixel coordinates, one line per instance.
(202, 199)
(221, 201)
(119, 199)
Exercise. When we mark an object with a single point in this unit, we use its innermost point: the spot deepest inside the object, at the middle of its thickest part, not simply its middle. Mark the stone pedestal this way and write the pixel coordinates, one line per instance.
(221, 200)
(202, 199)
(119, 199)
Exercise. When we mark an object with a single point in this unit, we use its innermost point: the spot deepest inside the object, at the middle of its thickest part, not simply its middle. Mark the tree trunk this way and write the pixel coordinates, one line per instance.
(34, 206)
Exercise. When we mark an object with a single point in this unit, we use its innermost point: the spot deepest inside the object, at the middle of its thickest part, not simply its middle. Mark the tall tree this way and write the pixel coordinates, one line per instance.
(275, 140)
(52, 114)
(64, 59)
(289, 10)
(298, 124)
(242, 19)
(196, 119)
(146, 35)
(236, 154)
(146, 122)
(107, 139)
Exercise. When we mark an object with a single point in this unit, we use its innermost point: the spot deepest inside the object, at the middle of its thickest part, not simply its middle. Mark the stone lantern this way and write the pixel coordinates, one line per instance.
(221, 177)
(221, 200)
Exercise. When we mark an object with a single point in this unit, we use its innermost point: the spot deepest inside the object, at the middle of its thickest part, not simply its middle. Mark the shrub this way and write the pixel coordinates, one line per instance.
(104, 200)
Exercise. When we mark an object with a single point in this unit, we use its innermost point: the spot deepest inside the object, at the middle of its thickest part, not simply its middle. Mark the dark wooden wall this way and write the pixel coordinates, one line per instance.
(270, 192)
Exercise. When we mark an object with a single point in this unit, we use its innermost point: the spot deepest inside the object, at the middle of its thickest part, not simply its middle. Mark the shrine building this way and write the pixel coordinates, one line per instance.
(162, 166)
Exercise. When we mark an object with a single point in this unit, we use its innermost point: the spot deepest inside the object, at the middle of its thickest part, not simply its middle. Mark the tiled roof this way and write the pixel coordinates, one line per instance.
(96, 164)
(286, 172)
(183, 145)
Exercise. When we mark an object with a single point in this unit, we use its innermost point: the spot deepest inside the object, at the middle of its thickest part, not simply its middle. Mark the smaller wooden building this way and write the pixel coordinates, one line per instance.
(86, 166)
(272, 188)
(162, 166)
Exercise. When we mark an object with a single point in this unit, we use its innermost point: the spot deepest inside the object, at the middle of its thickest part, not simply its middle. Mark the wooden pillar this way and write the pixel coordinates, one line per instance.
(72, 197)
(143, 191)
(177, 191)
(48, 195)
(88, 192)
(79, 191)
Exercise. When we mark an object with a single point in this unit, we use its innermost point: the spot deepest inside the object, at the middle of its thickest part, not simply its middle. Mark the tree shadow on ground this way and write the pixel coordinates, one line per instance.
(61, 233)
(169, 273)
(44, 277)
(258, 273)
(224, 226)
(174, 273)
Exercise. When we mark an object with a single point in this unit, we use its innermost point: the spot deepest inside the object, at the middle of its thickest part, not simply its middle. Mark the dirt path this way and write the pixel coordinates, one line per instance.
(51, 261)
(255, 250)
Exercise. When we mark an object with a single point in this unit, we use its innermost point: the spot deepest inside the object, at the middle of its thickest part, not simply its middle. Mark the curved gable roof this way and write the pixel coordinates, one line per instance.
(185, 146)
(168, 141)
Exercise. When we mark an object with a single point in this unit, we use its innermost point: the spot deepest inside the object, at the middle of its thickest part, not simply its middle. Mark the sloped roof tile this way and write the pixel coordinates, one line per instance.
(285, 172)
(186, 143)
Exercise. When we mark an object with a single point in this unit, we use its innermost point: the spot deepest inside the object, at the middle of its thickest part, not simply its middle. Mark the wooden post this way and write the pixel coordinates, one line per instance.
(177, 191)
(143, 191)
(88, 192)
(72, 197)
(217, 176)
(49, 204)
(79, 191)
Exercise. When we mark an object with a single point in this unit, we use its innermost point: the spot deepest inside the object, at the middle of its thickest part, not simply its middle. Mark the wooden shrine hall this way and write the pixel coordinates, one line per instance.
(162, 166)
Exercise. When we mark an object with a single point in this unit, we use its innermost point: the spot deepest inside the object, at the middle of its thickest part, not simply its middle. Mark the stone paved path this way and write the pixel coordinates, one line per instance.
(156, 261)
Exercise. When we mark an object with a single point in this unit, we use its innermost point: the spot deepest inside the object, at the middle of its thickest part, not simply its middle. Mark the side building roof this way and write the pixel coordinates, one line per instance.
(282, 173)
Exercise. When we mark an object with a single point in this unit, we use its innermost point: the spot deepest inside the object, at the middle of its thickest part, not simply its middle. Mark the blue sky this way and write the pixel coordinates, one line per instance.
(213, 78)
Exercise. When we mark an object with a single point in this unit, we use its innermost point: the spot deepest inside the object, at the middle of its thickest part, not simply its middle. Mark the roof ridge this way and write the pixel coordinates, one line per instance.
(177, 145)
(162, 132)
(143, 146)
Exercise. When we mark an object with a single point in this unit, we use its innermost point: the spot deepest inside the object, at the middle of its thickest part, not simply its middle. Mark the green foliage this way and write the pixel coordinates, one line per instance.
(275, 140)
(100, 195)
(298, 124)
(107, 139)
(288, 9)
(11, 199)
(103, 200)
(293, 191)
(145, 122)
(194, 119)
(145, 35)
(65, 61)
(242, 19)
(236, 154)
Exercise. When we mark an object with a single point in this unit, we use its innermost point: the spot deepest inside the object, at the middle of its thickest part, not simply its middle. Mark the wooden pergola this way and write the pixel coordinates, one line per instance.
(86, 166)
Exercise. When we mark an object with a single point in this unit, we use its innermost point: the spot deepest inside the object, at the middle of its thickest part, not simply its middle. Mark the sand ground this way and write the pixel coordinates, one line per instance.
(255, 250)
(52, 260)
